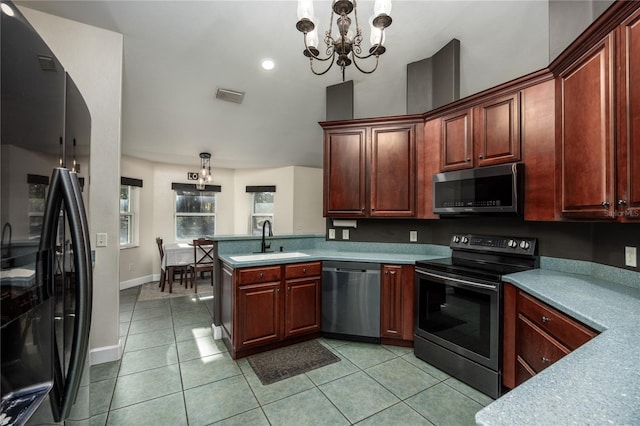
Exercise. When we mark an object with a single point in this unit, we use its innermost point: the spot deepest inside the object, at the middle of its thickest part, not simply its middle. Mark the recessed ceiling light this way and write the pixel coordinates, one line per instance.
(268, 64)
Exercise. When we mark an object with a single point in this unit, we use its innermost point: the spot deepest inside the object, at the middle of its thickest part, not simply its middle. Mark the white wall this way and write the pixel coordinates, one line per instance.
(93, 58)
(516, 46)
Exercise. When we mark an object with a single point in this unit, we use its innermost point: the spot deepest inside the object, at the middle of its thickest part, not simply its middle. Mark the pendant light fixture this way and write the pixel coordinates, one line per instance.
(204, 177)
(346, 45)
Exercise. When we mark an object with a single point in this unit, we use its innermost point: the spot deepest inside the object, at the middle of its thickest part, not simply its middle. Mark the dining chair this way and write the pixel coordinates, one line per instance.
(171, 269)
(203, 260)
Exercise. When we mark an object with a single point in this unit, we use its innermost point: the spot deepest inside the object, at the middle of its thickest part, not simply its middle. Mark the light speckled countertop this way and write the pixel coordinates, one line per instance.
(598, 383)
(347, 256)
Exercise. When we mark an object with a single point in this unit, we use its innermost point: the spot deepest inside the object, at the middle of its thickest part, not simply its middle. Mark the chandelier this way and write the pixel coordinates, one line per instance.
(346, 45)
(204, 177)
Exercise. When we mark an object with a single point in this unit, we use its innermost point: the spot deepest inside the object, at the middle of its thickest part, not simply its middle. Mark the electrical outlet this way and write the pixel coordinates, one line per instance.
(413, 236)
(131, 266)
(332, 234)
(631, 257)
(101, 239)
(345, 234)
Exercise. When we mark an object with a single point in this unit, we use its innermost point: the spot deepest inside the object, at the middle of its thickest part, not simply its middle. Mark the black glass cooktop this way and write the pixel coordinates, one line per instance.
(488, 271)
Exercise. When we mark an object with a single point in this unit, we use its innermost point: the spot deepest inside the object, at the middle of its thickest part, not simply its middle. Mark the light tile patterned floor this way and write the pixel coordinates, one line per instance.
(173, 373)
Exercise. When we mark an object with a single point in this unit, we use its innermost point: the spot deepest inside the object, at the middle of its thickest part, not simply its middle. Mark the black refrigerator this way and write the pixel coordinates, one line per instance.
(46, 262)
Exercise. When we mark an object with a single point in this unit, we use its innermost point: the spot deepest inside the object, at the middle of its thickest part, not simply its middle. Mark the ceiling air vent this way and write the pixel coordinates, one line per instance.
(230, 95)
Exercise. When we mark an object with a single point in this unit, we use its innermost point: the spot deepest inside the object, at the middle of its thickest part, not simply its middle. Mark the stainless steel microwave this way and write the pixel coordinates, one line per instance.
(489, 190)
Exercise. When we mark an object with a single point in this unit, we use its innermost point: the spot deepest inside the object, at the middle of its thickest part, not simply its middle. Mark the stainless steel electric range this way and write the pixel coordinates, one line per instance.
(458, 306)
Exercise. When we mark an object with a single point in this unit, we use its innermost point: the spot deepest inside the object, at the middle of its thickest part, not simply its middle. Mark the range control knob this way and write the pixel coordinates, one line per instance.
(524, 245)
(456, 239)
(512, 244)
(465, 240)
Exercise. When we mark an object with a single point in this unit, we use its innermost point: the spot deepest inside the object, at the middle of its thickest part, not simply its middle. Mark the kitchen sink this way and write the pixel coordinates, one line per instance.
(267, 256)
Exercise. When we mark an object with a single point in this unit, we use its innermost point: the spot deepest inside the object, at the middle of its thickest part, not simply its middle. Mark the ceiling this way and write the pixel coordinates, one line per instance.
(177, 53)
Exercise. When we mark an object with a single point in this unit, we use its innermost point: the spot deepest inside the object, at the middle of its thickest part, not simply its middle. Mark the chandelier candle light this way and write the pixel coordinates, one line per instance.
(346, 44)
(205, 176)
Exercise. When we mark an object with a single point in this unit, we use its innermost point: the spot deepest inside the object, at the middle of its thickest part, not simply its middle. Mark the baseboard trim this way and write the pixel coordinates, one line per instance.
(106, 353)
(139, 281)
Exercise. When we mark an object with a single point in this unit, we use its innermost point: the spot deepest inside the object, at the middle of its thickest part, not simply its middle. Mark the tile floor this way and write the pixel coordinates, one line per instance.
(173, 373)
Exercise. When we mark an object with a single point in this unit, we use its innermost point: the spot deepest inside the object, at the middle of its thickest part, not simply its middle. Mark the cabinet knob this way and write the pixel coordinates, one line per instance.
(480, 156)
(605, 204)
(304, 270)
(289, 288)
(468, 159)
(278, 290)
(261, 275)
(546, 320)
(622, 202)
(545, 360)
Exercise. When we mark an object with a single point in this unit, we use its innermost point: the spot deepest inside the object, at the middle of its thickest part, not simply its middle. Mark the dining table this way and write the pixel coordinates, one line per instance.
(176, 255)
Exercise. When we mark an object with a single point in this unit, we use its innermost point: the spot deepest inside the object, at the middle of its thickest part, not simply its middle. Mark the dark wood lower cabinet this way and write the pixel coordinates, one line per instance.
(396, 313)
(271, 306)
(303, 310)
(535, 336)
(259, 314)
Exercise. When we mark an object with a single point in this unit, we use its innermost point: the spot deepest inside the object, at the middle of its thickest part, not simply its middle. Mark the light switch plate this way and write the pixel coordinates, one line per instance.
(101, 239)
(413, 236)
(631, 257)
(332, 234)
(345, 234)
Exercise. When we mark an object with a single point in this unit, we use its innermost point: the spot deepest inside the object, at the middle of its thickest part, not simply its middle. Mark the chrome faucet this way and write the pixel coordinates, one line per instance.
(264, 246)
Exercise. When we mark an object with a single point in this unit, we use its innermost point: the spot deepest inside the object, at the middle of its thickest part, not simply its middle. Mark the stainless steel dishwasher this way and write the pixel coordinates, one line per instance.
(351, 301)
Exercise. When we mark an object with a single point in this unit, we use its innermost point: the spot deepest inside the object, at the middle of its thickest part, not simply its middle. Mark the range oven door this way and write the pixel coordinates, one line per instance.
(460, 315)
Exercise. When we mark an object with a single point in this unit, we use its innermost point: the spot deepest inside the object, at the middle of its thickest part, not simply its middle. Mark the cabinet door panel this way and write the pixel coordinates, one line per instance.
(586, 135)
(303, 313)
(499, 131)
(456, 142)
(393, 171)
(629, 113)
(344, 164)
(391, 297)
(258, 314)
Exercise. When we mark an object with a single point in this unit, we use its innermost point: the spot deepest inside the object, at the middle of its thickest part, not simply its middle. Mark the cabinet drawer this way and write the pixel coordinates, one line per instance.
(258, 275)
(536, 348)
(571, 333)
(300, 270)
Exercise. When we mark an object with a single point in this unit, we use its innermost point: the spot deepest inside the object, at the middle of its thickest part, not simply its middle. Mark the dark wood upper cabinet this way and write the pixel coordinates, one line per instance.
(598, 113)
(370, 167)
(456, 143)
(345, 172)
(586, 134)
(538, 139)
(628, 166)
(498, 131)
(487, 134)
(393, 171)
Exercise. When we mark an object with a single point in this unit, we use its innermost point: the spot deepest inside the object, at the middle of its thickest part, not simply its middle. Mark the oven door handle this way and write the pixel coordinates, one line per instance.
(458, 280)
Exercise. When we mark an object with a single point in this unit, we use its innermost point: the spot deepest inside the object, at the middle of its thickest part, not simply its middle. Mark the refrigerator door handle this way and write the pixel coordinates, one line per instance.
(65, 187)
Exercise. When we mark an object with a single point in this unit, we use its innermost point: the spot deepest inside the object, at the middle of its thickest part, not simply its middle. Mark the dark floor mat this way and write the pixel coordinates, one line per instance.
(280, 364)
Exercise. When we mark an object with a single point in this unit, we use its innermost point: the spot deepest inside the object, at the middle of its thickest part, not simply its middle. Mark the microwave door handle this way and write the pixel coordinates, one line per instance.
(458, 280)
